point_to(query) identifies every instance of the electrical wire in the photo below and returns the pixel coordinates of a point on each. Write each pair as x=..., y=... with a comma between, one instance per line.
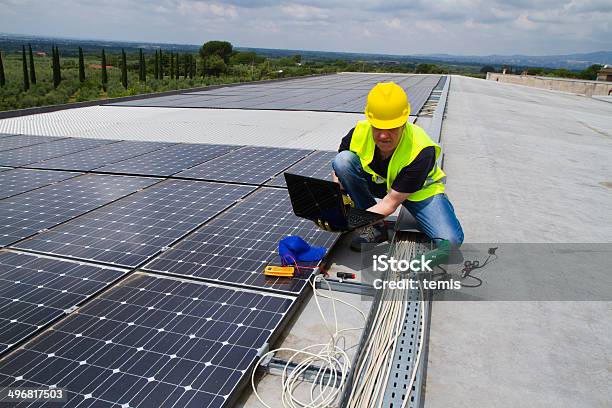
x=373, y=369
x=330, y=360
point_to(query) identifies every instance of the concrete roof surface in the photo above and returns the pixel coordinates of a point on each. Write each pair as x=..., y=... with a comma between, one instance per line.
x=524, y=165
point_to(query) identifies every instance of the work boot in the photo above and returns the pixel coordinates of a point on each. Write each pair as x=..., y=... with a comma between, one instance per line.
x=371, y=234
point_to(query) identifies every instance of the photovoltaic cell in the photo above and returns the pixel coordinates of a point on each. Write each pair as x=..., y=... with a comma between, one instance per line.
x=44, y=151
x=17, y=181
x=317, y=165
x=35, y=290
x=249, y=165
x=169, y=161
x=237, y=245
x=15, y=142
x=332, y=93
x=133, y=229
x=28, y=213
x=151, y=342
x=100, y=156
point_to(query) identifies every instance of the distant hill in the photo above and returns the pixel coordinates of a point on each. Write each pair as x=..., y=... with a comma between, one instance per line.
x=69, y=46
x=569, y=61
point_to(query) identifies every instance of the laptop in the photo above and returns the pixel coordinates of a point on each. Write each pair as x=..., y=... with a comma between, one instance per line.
x=317, y=199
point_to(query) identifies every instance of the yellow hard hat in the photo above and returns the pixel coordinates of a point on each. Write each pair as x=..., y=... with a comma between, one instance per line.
x=387, y=106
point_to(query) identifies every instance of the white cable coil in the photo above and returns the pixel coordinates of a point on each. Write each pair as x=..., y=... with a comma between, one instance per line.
x=373, y=368
x=329, y=359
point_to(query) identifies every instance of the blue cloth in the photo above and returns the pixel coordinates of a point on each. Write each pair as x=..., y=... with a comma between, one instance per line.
x=435, y=215
x=292, y=249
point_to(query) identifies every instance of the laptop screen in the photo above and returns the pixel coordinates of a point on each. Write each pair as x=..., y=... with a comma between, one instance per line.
x=316, y=199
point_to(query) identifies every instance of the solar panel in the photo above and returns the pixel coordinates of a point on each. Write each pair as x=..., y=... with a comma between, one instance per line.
x=249, y=165
x=17, y=181
x=15, y=142
x=169, y=161
x=44, y=151
x=334, y=93
x=317, y=165
x=133, y=229
x=7, y=134
x=28, y=213
x=35, y=290
x=100, y=156
x=237, y=245
x=152, y=342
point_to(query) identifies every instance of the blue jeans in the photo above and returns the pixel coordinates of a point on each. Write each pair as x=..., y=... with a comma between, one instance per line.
x=435, y=215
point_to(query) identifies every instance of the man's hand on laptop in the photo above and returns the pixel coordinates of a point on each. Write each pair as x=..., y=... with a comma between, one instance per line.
x=324, y=225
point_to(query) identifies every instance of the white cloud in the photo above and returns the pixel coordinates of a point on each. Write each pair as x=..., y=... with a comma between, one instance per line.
x=418, y=26
x=394, y=23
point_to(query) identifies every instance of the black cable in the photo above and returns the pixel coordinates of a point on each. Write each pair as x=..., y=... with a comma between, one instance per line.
x=469, y=266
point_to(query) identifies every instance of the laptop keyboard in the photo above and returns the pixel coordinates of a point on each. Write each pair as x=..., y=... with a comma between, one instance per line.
x=359, y=219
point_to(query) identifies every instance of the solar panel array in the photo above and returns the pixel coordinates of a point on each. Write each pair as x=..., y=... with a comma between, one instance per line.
x=249, y=165
x=28, y=213
x=144, y=287
x=44, y=151
x=344, y=92
x=17, y=141
x=17, y=181
x=170, y=160
x=100, y=156
x=317, y=165
x=235, y=247
x=151, y=342
x=133, y=229
x=35, y=290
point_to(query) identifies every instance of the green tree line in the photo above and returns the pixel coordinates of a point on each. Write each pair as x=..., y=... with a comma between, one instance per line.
x=46, y=77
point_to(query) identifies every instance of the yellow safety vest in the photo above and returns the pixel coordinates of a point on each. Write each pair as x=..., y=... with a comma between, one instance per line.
x=413, y=140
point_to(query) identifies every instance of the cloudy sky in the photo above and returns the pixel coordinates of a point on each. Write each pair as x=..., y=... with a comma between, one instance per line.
x=538, y=27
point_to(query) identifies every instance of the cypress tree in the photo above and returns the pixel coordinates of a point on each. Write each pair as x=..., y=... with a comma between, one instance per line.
x=144, y=68
x=2, y=77
x=124, y=79
x=32, y=70
x=140, y=64
x=57, y=74
x=178, y=65
x=81, y=66
x=26, y=79
x=104, y=75
x=156, y=66
x=161, y=65
x=171, y=66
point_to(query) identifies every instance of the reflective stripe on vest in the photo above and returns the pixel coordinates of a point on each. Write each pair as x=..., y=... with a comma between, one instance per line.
x=412, y=141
